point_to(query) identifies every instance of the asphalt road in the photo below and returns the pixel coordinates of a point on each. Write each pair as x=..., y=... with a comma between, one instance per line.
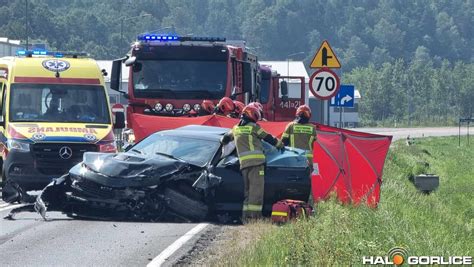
x=30, y=241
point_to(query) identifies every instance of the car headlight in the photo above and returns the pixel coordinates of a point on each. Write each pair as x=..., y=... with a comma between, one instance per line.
x=18, y=145
x=169, y=107
x=158, y=106
x=83, y=170
x=196, y=107
x=186, y=107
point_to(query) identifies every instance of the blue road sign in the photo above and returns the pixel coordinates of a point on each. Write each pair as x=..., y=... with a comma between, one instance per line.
x=344, y=98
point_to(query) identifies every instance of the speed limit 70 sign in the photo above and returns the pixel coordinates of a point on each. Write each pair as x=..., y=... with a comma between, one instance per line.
x=324, y=84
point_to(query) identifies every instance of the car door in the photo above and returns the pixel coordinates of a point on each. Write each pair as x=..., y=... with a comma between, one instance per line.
x=229, y=195
x=287, y=176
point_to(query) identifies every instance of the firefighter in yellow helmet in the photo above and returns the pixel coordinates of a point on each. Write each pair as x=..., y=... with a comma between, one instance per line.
x=300, y=133
x=247, y=135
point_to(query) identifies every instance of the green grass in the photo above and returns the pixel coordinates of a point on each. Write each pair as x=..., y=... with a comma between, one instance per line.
x=441, y=223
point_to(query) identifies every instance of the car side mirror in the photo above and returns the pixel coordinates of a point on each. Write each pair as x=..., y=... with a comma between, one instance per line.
x=115, y=78
x=247, y=77
x=284, y=88
x=210, y=168
x=232, y=161
x=137, y=67
x=130, y=61
x=207, y=181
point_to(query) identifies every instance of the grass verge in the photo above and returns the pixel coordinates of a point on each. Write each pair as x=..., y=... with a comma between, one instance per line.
x=441, y=223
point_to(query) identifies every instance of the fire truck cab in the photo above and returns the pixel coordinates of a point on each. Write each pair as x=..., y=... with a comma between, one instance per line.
x=170, y=76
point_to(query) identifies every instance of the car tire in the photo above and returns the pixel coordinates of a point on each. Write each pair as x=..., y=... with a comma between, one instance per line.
x=184, y=206
x=3, y=178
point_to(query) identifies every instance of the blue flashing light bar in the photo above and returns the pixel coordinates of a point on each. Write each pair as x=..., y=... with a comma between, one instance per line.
x=174, y=38
x=58, y=54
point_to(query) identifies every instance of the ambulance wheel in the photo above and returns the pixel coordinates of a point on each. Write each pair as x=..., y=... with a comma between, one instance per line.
x=184, y=206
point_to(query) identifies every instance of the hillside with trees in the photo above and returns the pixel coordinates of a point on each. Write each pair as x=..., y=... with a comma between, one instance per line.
x=411, y=60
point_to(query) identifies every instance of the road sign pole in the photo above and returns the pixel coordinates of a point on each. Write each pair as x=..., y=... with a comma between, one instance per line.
x=343, y=116
x=329, y=111
x=340, y=117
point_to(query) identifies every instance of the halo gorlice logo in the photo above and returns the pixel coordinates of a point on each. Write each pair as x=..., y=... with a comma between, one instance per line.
x=398, y=255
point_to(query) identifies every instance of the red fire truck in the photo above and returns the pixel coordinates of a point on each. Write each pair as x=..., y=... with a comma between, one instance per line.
x=170, y=75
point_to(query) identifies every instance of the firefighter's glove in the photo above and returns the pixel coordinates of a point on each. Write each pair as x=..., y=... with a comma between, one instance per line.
x=280, y=144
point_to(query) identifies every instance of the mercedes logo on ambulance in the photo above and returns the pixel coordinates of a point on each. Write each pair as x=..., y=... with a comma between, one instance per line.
x=65, y=152
x=56, y=65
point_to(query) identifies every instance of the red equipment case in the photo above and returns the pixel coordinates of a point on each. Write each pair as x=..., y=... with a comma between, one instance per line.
x=287, y=209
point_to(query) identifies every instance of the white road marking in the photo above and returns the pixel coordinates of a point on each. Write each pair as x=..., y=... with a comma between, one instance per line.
x=9, y=207
x=165, y=254
x=3, y=204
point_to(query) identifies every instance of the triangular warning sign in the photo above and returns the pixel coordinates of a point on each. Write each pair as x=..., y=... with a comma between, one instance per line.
x=325, y=57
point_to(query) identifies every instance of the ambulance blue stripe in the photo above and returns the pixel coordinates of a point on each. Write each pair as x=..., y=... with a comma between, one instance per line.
x=65, y=139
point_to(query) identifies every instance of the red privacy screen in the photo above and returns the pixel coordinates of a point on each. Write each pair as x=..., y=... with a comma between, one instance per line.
x=347, y=162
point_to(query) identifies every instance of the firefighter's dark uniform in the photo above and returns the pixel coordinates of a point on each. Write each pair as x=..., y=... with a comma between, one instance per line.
x=248, y=142
x=300, y=135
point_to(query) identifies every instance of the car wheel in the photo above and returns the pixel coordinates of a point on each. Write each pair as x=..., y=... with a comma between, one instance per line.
x=3, y=178
x=185, y=206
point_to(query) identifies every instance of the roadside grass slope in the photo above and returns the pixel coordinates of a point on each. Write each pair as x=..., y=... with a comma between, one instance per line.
x=438, y=224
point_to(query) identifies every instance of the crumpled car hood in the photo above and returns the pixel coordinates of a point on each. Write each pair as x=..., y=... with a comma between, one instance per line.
x=126, y=169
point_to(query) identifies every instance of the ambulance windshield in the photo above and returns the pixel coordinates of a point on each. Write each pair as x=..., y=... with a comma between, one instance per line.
x=58, y=103
x=180, y=79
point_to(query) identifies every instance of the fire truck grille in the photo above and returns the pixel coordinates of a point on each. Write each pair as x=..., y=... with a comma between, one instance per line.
x=57, y=159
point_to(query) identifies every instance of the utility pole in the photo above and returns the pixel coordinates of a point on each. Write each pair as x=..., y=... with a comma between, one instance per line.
x=123, y=19
x=288, y=62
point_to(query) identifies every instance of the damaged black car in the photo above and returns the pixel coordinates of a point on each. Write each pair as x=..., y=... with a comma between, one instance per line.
x=182, y=174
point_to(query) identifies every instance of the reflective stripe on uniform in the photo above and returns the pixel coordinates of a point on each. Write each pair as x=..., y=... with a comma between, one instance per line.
x=309, y=155
x=292, y=140
x=303, y=129
x=310, y=143
x=252, y=156
x=284, y=135
x=251, y=147
x=243, y=129
x=260, y=131
x=253, y=152
x=262, y=172
x=279, y=213
x=252, y=207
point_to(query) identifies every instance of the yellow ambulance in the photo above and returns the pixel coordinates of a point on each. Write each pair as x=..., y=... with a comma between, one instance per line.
x=54, y=108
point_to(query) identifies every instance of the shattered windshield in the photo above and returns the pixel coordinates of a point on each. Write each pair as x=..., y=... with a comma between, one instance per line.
x=195, y=151
x=58, y=103
x=181, y=79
